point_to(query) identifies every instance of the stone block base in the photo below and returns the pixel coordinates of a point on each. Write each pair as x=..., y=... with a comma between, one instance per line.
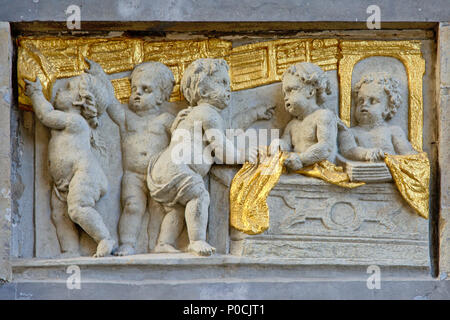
x=183, y=276
x=312, y=219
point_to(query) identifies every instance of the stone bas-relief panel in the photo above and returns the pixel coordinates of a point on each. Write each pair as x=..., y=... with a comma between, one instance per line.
x=313, y=219
x=309, y=218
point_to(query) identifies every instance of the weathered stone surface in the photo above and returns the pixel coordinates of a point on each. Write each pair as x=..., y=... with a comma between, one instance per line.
x=243, y=101
x=315, y=220
x=205, y=10
x=183, y=276
x=403, y=243
x=5, y=150
x=22, y=181
x=290, y=289
x=394, y=68
x=78, y=180
x=443, y=101
x=135, y=136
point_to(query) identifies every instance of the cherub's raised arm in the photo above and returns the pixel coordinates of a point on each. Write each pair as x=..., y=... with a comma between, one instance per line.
x=117, y=113
x=245, y=118
x=326, y=140
x=104, y=93
x=45, y=112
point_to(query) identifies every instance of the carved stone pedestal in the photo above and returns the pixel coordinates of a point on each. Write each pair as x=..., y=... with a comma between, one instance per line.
x=184, y=276
x=312, y=219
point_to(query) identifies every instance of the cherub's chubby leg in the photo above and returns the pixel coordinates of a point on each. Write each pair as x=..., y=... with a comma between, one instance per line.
x=196, y=215
x=66, y=230
x=134, y=204
x=85, y=190
x=171, y=228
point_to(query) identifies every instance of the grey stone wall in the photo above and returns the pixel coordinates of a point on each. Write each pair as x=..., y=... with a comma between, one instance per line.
x=231, y=10
x=6, y=97
x=443, y=103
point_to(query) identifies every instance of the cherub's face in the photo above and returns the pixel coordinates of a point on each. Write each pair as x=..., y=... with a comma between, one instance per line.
x=371, y=104
x=145, y=95
x=217, y=89
x=67, y=94
x=296, y=95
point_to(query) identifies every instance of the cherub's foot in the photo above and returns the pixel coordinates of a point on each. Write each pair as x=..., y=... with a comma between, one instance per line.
x=104, y=248
x=124, y=250
x=201, y=248
x=165, y=248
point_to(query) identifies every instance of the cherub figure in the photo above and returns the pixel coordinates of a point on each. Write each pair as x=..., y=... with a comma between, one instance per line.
x=179, y=185
x=144, y=132
x=79, y=181
x=312, y=133
x=377, y=98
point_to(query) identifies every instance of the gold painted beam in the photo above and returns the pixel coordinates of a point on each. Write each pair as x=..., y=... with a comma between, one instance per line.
x=52, y=58
x=263, y=63
x=252, y=65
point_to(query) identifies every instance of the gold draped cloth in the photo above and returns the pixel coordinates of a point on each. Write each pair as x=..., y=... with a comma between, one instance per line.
x=330, y=173
x=252, y=184
x=411, y=174
x=249, y=189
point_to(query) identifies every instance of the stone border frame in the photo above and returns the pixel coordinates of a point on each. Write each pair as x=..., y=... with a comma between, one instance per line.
x=442, y=101
x=443, y=106
x=6, y=105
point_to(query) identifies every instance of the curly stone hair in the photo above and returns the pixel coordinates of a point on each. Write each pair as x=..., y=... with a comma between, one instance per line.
x=87, y=102
x=391, y=87
x=194, y=76
x=164, y=77
x=312, y=75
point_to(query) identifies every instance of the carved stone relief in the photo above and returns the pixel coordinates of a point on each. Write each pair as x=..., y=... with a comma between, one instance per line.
x=115, y=136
